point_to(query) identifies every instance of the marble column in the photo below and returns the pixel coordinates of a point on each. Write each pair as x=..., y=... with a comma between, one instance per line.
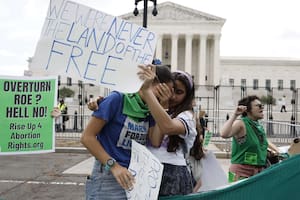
x=188, y=53
x=174, y=55
x=202, y=59
x=158, y=53
x=216, y=59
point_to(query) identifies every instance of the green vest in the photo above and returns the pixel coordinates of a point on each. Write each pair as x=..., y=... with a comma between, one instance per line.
x=252, y=149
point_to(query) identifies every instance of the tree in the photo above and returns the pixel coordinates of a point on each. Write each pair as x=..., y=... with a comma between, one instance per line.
x=268, y=100
x=65, y=92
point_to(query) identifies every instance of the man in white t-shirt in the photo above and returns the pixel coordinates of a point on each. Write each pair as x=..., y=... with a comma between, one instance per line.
x=283, y=102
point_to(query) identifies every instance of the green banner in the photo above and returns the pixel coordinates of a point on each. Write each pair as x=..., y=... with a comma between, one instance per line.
x=280, y=181
x=25, y=115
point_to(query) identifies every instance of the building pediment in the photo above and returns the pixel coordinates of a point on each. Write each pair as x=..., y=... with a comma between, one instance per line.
x=169, y=11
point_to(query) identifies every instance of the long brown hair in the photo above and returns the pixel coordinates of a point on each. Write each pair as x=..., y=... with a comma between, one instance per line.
x=197, y=150
x=187, y=104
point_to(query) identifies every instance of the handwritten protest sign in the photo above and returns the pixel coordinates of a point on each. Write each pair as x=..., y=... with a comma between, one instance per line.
x=147, y=171
x=25, y=115
x=92, y=46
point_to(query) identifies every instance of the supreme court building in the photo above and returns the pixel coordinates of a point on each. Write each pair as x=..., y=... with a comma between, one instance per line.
x=189, y=40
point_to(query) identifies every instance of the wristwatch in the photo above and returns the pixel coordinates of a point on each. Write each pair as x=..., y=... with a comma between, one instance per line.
x=109, y=164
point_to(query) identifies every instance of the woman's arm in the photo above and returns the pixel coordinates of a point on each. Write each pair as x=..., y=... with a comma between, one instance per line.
x=273, y=147
x=155, y=136
x=197, y=186
x=89, y=140
x=232, y=127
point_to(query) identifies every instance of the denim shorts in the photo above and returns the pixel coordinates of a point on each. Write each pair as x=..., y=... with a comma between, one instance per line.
x=101, y=184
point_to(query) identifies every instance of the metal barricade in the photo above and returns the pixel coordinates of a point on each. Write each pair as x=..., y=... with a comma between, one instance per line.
x=277, y=132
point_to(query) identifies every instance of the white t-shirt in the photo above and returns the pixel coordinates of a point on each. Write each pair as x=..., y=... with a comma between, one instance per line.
x=283, y=102
x=177, y=158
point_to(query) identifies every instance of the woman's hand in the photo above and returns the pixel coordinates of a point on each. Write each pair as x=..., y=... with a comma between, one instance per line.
x=55, y=112
x=163, y=93
x=93, y=104
x=147, y=74
x=123, y=176
x=239, y=110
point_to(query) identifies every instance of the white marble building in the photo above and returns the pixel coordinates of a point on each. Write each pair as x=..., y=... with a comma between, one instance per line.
x=189, y=40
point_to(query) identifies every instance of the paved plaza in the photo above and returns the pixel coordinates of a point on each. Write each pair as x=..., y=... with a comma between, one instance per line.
x=59, y=176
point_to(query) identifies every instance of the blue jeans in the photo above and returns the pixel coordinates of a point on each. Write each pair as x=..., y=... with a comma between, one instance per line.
x=103, y=185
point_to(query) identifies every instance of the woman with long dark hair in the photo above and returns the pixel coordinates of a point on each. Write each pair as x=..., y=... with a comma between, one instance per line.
x=174, y=132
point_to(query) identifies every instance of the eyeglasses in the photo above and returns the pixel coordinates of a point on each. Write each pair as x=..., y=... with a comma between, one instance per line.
x=261, y=106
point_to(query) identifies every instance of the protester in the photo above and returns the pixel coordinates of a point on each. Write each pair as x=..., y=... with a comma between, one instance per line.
x=249, y=144
x=195, y=155
x=283, y=104
x=206, y=170
x=108, y=138
x=175, y=132
x=202, y=122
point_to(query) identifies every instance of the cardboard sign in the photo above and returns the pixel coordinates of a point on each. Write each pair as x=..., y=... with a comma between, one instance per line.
x=25, y=115
x=147, y=171
x=92, y=46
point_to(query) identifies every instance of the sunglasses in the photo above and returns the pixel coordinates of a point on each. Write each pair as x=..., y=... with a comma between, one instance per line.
x=261, y=106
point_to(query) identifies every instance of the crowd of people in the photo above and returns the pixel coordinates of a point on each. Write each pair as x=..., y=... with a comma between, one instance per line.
x=171, y=130
x=173, y=133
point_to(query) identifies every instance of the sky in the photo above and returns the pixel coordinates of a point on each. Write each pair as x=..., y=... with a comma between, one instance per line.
x=253, y=28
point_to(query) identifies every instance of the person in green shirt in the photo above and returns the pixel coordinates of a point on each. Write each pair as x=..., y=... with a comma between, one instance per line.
x=249, y=144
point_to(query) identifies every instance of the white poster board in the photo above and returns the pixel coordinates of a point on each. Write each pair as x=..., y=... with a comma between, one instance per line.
x=213, y=176
x=92, y=46
x=147, y=171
